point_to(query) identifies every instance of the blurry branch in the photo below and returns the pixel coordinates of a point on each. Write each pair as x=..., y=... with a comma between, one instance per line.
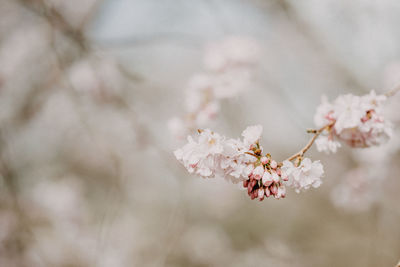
x=187, y=39
x=54, y=18
x=393, y=92
x=90, y=14
x=75, y=34
x=59, y=24
x=10, y=179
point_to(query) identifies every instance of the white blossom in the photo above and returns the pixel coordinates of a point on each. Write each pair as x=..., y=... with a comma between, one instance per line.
x=214, y=155
x=356, y=120
x=323, y=115
x=252, y=134
x=327, y=144
x=307, y=175
x=201, y=157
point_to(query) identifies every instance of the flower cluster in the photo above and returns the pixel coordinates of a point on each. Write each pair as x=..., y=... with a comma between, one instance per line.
x=355, y=120
x=228, y=70
x=305, y=175
x=213, y=155
x=265, y=178
x=362, y=187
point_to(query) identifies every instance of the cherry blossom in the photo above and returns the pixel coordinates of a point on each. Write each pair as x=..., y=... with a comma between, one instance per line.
x=252, y=134
x=327, y=144
x=213, y=155
x=307, y=174
x=355, y=120
x=358, y=121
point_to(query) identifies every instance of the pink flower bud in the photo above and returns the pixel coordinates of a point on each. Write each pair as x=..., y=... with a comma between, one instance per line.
x=245, y=183
x=258, y=172
x=279, y=172
x=249, y=189
x=267, y=192
x=274, y=189
x=264, y=160
x=267, y=179
x=261, y=193
x=281, y=192
x=251, y=185
x=275, y=177
x=274, y=164
x=254, y=194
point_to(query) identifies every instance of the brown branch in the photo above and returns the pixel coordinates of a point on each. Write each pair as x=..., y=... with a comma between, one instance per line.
x=311, y=142
x=251, y=154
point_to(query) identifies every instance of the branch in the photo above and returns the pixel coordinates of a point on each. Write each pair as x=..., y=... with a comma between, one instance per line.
x=311, y=142
x=393, y=92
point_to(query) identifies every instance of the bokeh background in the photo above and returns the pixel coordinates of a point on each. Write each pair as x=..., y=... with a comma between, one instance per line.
x=87, y=174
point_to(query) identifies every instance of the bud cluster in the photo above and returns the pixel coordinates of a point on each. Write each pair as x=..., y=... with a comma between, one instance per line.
x=265, y=177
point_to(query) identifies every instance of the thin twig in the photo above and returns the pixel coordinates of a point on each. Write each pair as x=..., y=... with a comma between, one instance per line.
x=311, y=142
x=251, y=154
x=392, y=92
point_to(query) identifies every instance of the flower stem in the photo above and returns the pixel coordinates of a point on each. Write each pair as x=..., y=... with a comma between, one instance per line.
x=392, y=92
x=311, y=142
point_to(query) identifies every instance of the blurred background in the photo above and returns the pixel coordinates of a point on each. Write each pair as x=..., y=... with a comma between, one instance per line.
x=87, y=173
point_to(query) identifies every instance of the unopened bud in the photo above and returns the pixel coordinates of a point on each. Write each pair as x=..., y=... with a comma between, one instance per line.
x=274, y=189
x=261, y=193
x=267, y=192
x=281, y=192
x=254, y=194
